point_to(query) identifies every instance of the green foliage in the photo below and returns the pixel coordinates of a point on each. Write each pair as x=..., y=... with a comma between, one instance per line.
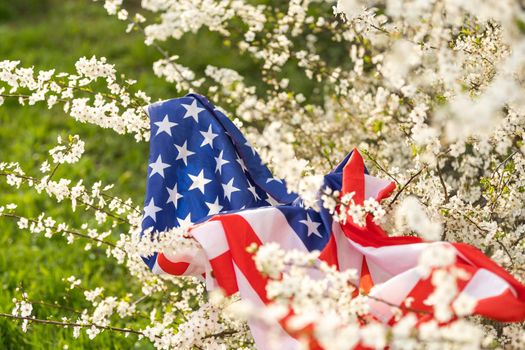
x=10, y=10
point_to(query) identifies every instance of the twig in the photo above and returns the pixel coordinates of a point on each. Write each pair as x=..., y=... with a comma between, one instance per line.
x=94, y=207
x=497, y=240
x=75, y=233
x=121, y=202
x=72, y=324
x=220, y=334
x=57, y=306
x=58, y=164
x=445, y=191
x=163, y=52
x=405, y=185
x=380, y=167
x=15, y=95
x=503, y=162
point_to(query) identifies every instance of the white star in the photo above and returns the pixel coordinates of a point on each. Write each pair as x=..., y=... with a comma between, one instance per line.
x=220, y=162
x=151, y=210
x=272, y=201
x=274, y=179
x=158, y=167
x=241, y=163
x=192, y=111
x=250, y=146
x=165, y=125
x=198, y=181
x=229, y=189
x=208, y=137
x=214, y=207
x=312, y=226
x=184, y=153
x=251, y=188
x=174, y=195
x=186, y=222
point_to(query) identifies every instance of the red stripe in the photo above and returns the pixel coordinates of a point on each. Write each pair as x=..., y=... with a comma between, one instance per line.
x=365, y=282
x=386, y=191
x=240, y=235
x=354, y=177
x=224, y=273
x=373, y=236
x=329, y=253
x=171, y=267
x=504, y=307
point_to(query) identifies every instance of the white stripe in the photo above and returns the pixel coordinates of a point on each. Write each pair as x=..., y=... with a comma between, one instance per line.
x=347, y=256
x=196, y=258
x=271, y=225
x=389, y=261
x=262, y=331
x=394, y=291
x=212, y=238
x=377, y=273
x=486, y=284
x=374, y=185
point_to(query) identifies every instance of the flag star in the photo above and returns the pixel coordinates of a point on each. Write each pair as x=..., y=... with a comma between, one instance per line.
x=184, y=153
x=229, y=189
x=251, y=188
x=250, y=146
x=241, y=163
x=198, y=181
x=151, y=210
x=165, y=126
x=208, y=137
x=192, y=111
x=272, y=201
x=158, y=167
x=270, y=179
x=173, y=195
x=186, y=222
x=214, y=207
x=313, y=226
x=220, y=162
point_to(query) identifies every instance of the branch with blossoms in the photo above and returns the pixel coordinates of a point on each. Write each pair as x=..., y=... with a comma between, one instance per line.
x=117, y=108
x=23, y=310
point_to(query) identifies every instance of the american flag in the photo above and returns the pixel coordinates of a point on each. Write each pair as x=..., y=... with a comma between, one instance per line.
x=204, y=173
x=200, y=164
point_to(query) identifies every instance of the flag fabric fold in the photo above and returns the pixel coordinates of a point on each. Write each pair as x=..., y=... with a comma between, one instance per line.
x=202, y=170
